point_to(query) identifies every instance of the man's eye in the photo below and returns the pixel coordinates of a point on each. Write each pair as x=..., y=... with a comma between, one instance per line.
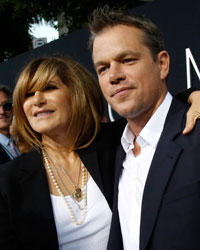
x=128, y=60
x=101, y=70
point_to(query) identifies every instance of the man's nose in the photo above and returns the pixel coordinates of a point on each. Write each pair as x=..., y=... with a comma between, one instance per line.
x=2, y=111
x=38, y=98
x=116, y=74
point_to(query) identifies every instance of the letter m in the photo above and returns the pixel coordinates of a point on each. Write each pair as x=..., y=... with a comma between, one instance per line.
x=190, y=58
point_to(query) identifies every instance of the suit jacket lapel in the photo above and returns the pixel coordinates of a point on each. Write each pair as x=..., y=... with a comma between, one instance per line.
x=158, y=177
x=89, y=158
x=115, y=237
x=36, y=195
x=4, y=157
x=160, y=171
x=99, y=157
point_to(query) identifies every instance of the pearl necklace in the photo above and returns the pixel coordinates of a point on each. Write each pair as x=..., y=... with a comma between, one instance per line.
x=58, y=189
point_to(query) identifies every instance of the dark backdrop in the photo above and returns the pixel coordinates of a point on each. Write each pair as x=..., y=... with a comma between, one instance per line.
x=179, y=22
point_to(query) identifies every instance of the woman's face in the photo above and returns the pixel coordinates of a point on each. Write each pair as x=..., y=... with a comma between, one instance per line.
x=48, y=110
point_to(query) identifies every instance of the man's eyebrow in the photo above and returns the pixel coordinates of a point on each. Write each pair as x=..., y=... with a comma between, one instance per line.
x=97, y=64
x=128, y=53
x=118, y=57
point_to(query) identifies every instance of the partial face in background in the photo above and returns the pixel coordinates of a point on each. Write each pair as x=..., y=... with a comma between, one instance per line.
x=48, y=110
x=5, y=115
x=132, y=82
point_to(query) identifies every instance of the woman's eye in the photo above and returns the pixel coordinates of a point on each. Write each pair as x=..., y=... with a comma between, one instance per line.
x=50, y=87
x=29, y=94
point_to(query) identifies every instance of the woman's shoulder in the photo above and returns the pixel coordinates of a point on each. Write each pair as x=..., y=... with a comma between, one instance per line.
x=114, y=128
x=110, y=133
x=115, y=124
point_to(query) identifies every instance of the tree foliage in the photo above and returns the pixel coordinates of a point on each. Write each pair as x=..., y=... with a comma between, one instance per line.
x=15, y=38
x=16, y=16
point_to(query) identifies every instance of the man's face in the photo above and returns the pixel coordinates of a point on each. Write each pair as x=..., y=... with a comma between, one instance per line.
x=5, y=116
x=131, y=81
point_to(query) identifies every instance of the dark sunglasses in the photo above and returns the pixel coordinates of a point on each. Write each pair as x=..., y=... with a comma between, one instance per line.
x=7, y=106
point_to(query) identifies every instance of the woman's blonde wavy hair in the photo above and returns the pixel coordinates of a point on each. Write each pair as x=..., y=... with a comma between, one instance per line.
x=87, y=103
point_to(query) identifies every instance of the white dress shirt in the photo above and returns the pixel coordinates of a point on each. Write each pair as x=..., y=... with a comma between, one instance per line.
x=134, y=174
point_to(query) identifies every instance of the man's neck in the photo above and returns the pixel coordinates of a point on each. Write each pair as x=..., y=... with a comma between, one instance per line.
x=137, y=123
x=137, y=149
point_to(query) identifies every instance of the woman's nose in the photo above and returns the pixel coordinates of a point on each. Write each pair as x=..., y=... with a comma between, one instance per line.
x=38, y=98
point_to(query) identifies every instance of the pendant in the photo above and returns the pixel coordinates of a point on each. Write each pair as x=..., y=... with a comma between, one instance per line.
x=77, y=194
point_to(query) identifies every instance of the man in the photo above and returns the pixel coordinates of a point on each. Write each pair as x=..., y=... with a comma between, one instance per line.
x=157, y=190
x=8, y=149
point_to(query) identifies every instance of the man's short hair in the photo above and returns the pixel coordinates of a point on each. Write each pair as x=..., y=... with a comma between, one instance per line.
x=106, y=17
x=7, y=91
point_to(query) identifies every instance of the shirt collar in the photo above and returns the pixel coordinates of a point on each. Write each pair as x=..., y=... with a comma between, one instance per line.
x=151, y=132
x=4, y=139
x=127, y=139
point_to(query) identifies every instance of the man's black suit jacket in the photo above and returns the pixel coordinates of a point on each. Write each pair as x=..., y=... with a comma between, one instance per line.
x=170, y=216
x=26, y=216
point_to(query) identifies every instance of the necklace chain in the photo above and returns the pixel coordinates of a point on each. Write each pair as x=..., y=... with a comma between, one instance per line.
x=67, y=191
x=68, y=177
x=77, y=194
x=60, y=192
x=66, y=174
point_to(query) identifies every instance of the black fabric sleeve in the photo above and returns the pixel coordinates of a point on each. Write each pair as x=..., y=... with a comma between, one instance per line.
x=183, y=96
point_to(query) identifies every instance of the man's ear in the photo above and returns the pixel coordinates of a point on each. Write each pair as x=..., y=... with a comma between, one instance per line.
x=163, y=60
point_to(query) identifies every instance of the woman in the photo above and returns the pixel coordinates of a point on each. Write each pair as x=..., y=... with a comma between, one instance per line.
x=48, y=199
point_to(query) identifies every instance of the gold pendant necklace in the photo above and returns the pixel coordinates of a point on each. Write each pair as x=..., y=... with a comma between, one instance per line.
x=77, y=193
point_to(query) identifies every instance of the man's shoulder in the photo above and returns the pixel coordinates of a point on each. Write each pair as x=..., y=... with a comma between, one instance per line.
x=176, y=120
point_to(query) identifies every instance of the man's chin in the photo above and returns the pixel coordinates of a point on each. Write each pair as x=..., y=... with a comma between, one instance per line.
x=4, y=125
x=125, y=114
